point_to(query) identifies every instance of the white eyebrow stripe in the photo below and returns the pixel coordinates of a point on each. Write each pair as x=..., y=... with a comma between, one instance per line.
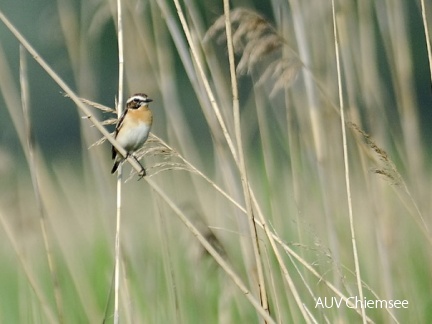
x=140, y=98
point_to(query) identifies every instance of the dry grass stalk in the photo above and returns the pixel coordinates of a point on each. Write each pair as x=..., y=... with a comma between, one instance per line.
x=95, y=105
x=119, y=171
x=346, y=164
x=241, y=163
x=211, y=97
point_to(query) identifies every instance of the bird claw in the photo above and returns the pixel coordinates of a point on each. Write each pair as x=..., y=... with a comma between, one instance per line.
x=141, y=174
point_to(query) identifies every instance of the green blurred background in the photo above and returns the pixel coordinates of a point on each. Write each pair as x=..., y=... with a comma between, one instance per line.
x=55, y=119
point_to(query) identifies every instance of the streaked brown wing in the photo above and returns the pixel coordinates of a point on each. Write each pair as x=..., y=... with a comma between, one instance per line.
x=117, y=129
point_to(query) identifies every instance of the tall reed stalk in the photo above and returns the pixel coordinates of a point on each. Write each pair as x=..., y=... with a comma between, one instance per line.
x=119, y=173
x=346, y=164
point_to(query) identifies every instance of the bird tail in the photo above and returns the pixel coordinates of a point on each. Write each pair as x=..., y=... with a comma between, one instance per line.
x=116, y=164
x=119, y=160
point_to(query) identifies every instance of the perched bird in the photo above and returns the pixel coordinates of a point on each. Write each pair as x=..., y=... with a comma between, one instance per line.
x=133, y=128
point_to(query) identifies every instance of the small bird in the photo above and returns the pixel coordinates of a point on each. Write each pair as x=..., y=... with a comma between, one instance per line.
x=133, y=128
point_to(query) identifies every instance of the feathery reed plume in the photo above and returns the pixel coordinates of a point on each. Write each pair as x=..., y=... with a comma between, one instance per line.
x=389, y=169
x=257, y=41
x=390, y=172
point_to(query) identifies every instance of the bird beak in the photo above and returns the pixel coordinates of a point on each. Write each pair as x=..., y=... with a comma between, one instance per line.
x=149, y=100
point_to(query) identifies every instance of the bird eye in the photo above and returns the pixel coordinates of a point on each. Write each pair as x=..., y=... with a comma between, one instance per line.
x=136, y=100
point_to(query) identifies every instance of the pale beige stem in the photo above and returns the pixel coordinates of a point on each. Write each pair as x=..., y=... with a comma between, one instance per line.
x=346, y=166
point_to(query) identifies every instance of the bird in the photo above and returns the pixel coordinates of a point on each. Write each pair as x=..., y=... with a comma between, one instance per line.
x=133, y=128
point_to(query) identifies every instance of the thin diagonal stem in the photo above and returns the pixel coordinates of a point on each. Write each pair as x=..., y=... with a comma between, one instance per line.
x=216, y=255
x=205, y=81
x=84, y=109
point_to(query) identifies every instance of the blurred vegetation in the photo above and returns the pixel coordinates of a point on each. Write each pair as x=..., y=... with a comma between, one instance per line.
x=292, y=140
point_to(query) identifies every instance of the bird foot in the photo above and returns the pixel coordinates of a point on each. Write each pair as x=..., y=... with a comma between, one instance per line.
x=142, y=174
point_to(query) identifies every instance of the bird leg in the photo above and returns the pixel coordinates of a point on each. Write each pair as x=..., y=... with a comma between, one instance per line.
x=142, y=173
